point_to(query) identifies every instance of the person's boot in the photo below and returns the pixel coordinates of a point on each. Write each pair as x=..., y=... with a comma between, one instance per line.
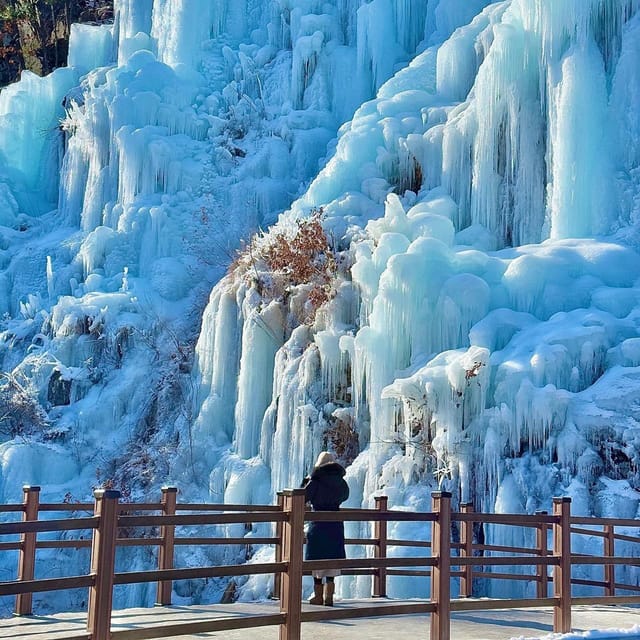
x=329, y=588
x=317, y=594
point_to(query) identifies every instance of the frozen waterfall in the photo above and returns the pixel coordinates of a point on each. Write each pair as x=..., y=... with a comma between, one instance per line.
x=437, y=212
x=481, y=210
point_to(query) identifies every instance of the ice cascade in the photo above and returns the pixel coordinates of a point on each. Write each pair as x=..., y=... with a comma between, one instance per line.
x=478, y=328
x=450, y=298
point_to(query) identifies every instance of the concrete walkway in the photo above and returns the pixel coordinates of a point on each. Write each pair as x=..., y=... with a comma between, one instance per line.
x=475, y=625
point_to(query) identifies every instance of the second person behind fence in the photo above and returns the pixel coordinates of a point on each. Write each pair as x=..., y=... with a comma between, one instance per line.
x=326, y=490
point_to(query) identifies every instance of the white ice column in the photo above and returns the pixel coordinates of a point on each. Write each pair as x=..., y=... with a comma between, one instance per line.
x=410, y=19
x=508, y=185
x=94, y=144
x=457, y=152
x=297, y=437
x=30, y=136
x=90, y=46
x=306, y=52
x=377, y=46
x=181, y=26
x=216, y=370
x=347, y=11
x=401, y=325
x=262, y=336
x=132, y=21
x=623, y=103
x=582, y=182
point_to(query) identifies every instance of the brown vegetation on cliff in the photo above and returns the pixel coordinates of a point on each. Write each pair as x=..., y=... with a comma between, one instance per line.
x=34, y=34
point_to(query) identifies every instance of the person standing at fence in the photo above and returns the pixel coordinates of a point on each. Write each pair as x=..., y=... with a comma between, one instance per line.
x=326, y=490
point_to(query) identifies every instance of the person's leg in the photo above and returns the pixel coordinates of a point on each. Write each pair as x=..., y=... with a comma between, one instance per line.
x=317, y=591
x=329, y=589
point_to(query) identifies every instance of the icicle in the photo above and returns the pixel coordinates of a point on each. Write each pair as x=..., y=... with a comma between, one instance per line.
x=579, y=199
x=30, y=135
x=50, y=284
x=180, y=26
x=261, y=338
x=377, y=46
x=90, y=46
x=132, y=20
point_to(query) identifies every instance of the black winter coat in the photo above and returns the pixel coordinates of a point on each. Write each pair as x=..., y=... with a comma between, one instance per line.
x=326, y=490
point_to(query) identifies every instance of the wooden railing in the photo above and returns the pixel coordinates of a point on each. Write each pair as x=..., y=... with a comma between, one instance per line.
x=471, y=558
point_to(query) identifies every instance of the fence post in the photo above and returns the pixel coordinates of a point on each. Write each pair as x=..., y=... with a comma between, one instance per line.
x=103, y=551
x=380, y=550
x=165, y=551
x=562, y=571
x=466, y=551
x=291, y=585
x=609, y=569
x=441, y=572
x=277, y=577
x=541, y=546
x=27, y=553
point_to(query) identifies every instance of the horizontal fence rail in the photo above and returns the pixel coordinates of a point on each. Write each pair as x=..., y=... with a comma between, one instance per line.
x=454, y=550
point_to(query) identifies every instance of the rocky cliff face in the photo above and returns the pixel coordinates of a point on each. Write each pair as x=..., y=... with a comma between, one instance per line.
x=35, y=36
x=11, y=59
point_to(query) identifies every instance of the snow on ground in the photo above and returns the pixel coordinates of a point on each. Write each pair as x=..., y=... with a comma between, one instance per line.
x=603, y=634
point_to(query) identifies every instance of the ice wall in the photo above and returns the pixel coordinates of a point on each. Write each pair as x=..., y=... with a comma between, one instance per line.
x=30, y=137
x=467, y=311
x=482, y=216
x=90, y=46
x=127, y=181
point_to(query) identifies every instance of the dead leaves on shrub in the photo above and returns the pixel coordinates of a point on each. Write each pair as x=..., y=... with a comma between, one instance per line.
x=281, y=261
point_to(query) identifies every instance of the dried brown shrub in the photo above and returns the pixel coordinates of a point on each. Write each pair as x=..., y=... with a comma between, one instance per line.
x=305, y=256
x=280, y=261
x=344, y=440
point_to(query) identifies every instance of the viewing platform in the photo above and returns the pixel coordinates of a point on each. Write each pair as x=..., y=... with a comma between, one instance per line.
x=108, y=525
x=471, y=625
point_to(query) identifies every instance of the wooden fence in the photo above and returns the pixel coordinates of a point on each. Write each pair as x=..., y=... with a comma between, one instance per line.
x=468, y=556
